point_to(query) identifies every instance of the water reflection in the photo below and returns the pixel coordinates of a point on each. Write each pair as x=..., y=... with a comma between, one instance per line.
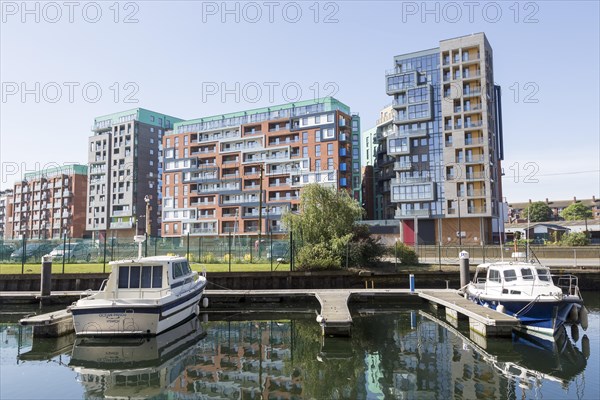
x=398, y=354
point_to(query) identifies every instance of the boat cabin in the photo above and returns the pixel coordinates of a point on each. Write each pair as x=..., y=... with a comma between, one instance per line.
x=512, y=278
x=151, y=275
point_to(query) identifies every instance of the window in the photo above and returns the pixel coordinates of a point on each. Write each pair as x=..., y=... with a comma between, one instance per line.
x=543, y=274
x=510, y=275
x=494, y=276
x=304, y=137
x=305, y=151
x=318, y=150
x=317, y=165
x=329, y=117
x=527, y=274
x=317, y=136
x=329, y=149
x=317, y=119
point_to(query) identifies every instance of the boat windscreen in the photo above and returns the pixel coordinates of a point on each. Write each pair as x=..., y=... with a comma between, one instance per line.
x=527, y=274
x=543, y=274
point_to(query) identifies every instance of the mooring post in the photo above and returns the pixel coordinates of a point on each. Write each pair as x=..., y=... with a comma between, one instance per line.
x=411, y=282
x=464, y=268
x=46, y=284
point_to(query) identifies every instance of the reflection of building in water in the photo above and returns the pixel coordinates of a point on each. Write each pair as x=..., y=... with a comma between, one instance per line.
x=434, y=364
x=229, y=360
x=244, y=360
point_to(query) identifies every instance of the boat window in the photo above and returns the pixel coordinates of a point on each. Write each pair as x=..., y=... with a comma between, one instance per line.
x=510, y=275
x=146, y=276
x=185, y=267
x=543, y=274
x=157, y=274
x=123, y=277
x=527, y=274
x=494, y=275
x=177, y=270
x=134, y=277
x=130, y=277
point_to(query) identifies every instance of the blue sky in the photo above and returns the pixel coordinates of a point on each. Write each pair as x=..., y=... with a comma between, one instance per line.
x=176, y=57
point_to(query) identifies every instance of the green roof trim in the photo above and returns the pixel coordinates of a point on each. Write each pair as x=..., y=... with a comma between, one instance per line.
x=330, y=103
x=138, y=114
x=68, y=169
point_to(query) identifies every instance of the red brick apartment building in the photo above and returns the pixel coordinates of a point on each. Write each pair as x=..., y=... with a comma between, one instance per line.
x=220, y=171
x=50, y=204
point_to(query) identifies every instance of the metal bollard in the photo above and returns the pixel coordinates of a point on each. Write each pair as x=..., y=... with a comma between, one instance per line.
x=46, y=284
x=464, y=268
x=411, y=281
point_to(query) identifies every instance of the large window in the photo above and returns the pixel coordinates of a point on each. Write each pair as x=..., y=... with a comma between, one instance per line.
x=412, y=192
x=136, y=276
x=418, y=95
x=398, y=145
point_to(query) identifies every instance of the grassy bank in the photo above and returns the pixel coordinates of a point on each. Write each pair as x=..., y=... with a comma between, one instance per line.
x=99, y=268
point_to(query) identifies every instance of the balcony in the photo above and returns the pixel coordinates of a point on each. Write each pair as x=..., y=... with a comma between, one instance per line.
x=475, y=124
x=399, y=103
x=476, y=193
x=474, y=159
x=410, y=181
x=473, y=141
x=474, y=92
x=203, y=231
x=402, y=166
x=412, y=213
x=475, y=176
x=476, y=210
x=121, y=225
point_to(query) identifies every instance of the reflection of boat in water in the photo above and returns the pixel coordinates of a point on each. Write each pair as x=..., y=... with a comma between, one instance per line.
x=527, y=292
x=134, y=367
x=531, y=359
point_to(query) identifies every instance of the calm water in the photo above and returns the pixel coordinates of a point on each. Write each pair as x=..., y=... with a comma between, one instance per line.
x=393, y=353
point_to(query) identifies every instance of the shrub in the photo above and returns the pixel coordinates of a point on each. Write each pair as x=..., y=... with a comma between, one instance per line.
x=226, y=258
x=575, y=239
x=318, y=257
x=247, y=257
x=208, y=258
x=406, y=255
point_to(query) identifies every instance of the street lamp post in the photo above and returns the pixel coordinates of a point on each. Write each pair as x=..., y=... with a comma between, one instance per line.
x=458, y=200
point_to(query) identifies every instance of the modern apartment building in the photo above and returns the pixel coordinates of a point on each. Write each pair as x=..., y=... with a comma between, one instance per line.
x=239, y=172
x=440, y=163
x=6, y=197
x=50, y=204
x=125, y=170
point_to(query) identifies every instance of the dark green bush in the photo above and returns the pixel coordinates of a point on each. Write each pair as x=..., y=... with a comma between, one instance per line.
x=406, y=255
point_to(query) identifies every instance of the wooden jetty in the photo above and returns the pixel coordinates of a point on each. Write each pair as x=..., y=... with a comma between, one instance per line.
x=52, y=324
x=334, y=316
x=483, y=320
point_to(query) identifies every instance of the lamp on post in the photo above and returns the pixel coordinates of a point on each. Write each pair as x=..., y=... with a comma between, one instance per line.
x=147, y=200
x=458, y=200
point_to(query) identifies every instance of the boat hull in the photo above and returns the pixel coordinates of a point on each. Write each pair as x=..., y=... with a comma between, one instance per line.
x=138, y=318
x=541, y=318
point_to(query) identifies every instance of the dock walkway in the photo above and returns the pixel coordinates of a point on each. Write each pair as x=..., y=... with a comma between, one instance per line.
x=334, y=316
x=483, y=320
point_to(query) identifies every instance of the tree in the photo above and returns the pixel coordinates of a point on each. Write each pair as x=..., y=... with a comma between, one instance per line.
x=538, y=212
x=325, y=214
x=327, y=226
x=576, y=212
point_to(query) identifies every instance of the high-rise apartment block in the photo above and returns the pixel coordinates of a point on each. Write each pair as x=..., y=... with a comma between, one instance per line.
x=125, y=172
x=440, y=163
x=239, y=172
x=6, y=197
x=50, y=204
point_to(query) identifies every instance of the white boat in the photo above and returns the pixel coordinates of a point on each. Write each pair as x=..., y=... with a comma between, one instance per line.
x=527, y=291
x=146, y=296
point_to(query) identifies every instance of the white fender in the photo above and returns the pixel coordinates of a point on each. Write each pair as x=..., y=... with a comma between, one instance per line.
x=500, y=308
x=583, y=318
x=320, y=318
x=205, y=302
